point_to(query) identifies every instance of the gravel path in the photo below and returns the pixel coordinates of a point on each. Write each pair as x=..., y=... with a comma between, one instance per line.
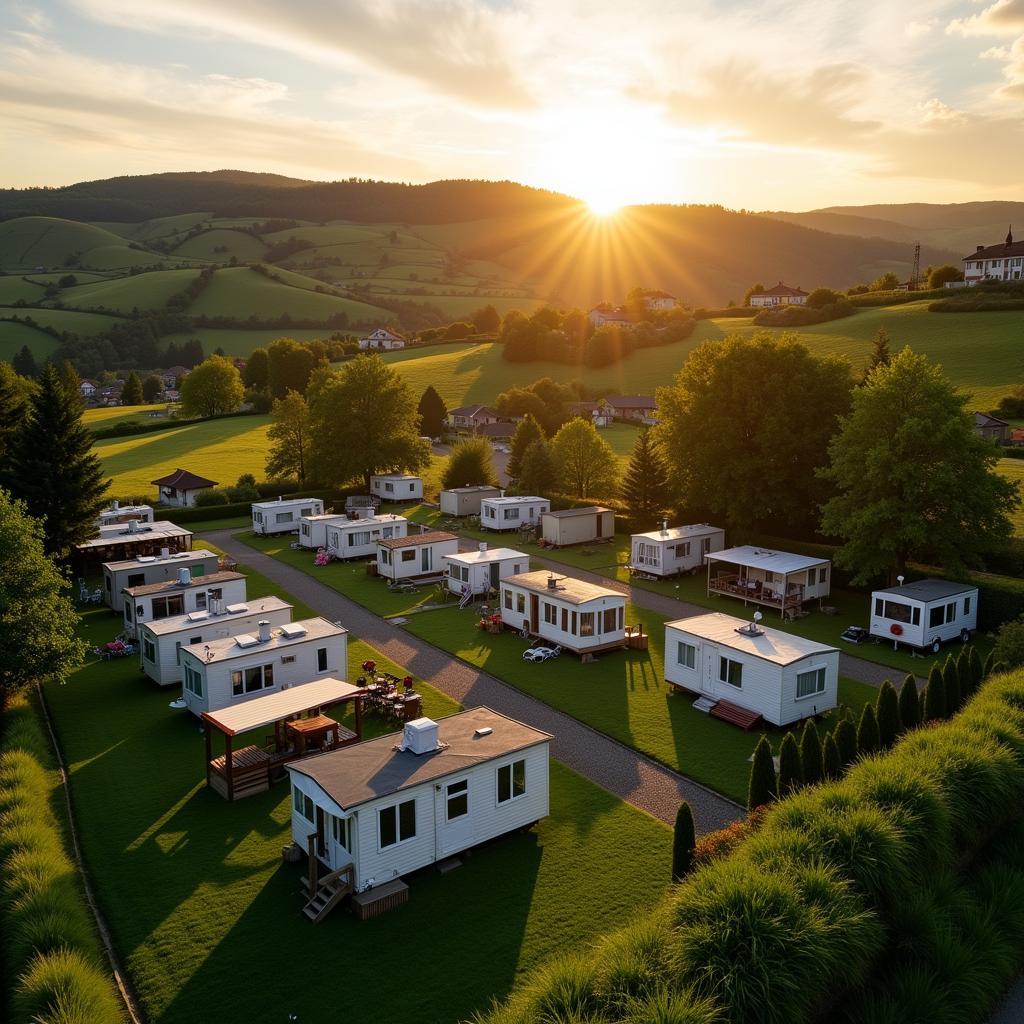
x=606, y=762
x=1011, y=1008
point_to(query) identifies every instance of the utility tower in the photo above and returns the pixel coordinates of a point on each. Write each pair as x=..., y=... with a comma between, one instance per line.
x=916, y=275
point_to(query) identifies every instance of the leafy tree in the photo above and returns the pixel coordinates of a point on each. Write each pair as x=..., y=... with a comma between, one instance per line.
x=886, y=282
x=289, y=437
x=458, y=330
x=257, y=372
x=486, y=320
x=433, y=412
x=544, y=399
x=14, y=405
x=832, y=763
x=951, y=685
x=880, y=354
x=363, y=420
x=152, y=388
x=37, y=626
x=746, y=424
x=25, y=363
x=213, y=388
x=934, y=696
x=822, y=297
x=470, y=463
x=684, y=843
x=845, y=734
x=289, y=367
x=939, y=277
x=587, y=465
x=888, y=715
x=764, y=786
x=757, y=289
x=914, y=480
x=1009, y=646
x=910, y=704
x=645, y=485
x=868, y=739
x=527, y=431
x=791, y=775
x=131, y=394
x=52, y=467
x=539, y=474
x=810, y=754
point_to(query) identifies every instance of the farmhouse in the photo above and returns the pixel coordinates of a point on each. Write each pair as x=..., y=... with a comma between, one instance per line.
x=577, y=526
x=1002, y=262
x=394, y=804
x=173, y=376
x=396, y=487
x=604, y=314
x=161, y=641
x=763, y=576
x=119, y=576
x=670, y=552
x=118, y=513
x=357, y=538
x=925, y=614
x=87, y=388
x=480, y=571
x=180, y=595
x=282, y=515
x=580, y=616
x=465, y=501
x=181, y=487
x=470, y=417
x=418, y=556
x=120, y=541
x=382, y=339
x=780, y=295
x=744, y=672
x=595, y=412
x=500, y=431
x=635, y=408
x=219, y=673
x=991, y=427
x=510, y=513
x=659, y=300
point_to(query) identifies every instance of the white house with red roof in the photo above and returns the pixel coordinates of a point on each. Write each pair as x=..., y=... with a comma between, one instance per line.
x=659, y=300
x=181, y=487
x=382, y=338
x=780, y=295
x=1003, y=262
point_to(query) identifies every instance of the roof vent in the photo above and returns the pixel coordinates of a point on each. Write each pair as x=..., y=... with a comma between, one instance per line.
x=198, y=616
x=484, y=730
x=664, y=527
x=115, y=505
x=293, y=630
x=483, y=546
x=420, y=736
x=185, y=576
x=236, y=609
x=165, y=552
x=246, y=640
x=752, y=628
x=133, y=526
x=264, y=625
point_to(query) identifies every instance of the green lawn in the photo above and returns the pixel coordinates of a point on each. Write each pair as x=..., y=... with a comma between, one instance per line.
x=109, y=415
x=1013, y=469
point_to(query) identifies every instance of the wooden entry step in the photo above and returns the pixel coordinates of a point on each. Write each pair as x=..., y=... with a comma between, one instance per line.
x=735, y=715
x=380, y=899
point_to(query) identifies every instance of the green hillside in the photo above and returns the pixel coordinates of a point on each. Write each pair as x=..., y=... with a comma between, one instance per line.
x=220, y=244
x=64, y=319
x=29, y=242
x=14, y=336
x=239, y=342
x=145, y=292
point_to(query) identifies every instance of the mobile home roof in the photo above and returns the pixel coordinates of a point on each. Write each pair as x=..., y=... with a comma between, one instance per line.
x=181, y=557
x=195, y=583
x=765, y=558
x=182, y=623
x=568, y=588
x=484, y=557
x=770, y=644
x=227, y=648
x=680, y=532
x=929, y=590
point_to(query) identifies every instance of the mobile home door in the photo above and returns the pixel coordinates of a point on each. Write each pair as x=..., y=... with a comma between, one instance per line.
x=451, y=812
x=709, y=653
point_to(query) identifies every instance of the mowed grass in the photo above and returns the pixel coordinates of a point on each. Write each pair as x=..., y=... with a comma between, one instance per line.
x=109, y=415
x=64, y=319
x=1013, y=469
x=144, y=292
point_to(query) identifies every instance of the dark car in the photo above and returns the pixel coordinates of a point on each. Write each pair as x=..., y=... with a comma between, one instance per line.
x=855, y=635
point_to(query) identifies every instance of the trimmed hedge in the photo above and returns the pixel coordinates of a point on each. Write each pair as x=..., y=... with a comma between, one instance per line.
x=128, y=427
x=804, y=916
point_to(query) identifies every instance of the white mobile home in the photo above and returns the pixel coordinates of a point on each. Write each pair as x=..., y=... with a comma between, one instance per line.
x=313, y=529
x=161, y=641
x=223, y=672
x=396, y=487
x=480, y=571
x=137, y=572
x=357, y=538
x=673, y=551
x=770, y=674
x=577, y=526
x=283, y=514
x=394, y=804
x=465, y=501
x=579, y=616
x=116, y=542
x=421, y=555
x=777, y=579
x=181, y=595
x=510, y=513
x=118, y=513
x=925, y=614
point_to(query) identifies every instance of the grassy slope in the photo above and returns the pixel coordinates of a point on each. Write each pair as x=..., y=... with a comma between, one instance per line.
x=1013, y=469
x=47, y=241
x=64, y=319
x=14, y=336
x=229, y=243
x=109, y=415
x=146, y=292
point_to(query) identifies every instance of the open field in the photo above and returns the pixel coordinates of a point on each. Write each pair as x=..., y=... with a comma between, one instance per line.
x=1013, y=469
x=109, y=415
x=145, y=292
x=14, y=336
x=240, y=342
x=221, y=244
x=64, y=319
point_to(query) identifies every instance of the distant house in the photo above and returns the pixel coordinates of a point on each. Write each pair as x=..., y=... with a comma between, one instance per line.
x=172, y=376
x=181, y=487
x=87, y=388
x=991, y=427
x=382, y=338
x=593, y=411
x=1003, y=262
x=1017, y=438
x=604, y=314
x=659, y=300
x=639, y=408
x=500, y=431
x=472, y=417
x=780, y=295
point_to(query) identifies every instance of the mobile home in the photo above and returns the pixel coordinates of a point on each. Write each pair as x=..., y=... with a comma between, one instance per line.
x=510, y=513
x=480, y=571
x=224, y=672
x=925, y=614
x=396, y=487
x=577, y=526
x=776, y=579
x=181, y=595
x=770, y=674
x=421, y=555
x=137, y=572
x=313, y=529
x=465, y=501
x=581, y=617
x=118, y=513
x=394, y=804
x=283, y=514
x=161, y=641
x=117, y=542
x=672, y=551
x=357, y=538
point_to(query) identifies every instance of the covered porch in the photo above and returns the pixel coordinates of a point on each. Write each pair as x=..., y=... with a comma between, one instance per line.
x=772, y=579
x=300, y=728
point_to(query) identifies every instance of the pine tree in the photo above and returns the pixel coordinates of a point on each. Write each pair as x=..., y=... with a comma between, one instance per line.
x=986, y=669
x=132, y=392
x=152, y=388
x=790, y=773
x=934, y=695
x=867, y=732
x=831, y=762
x=539, y=474
x=51, y=466
x=951, y=686
x=810, y=754
x=880, y=354
x=25, y=363
x=684, y=842
x=910, y=704
x=645, y=486
x=14, y=406
x=527, y=431
x=764, y=787
x=845, y=734
x=433, y=413
x=887, y=710
x=974, y=669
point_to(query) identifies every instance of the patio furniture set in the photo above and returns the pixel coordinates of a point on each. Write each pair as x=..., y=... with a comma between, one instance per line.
x=389, y=695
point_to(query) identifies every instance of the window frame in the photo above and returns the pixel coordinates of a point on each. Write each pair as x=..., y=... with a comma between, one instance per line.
x=725, y=671
x=691, y=650
x=396, y=810
x=510, y=767
x=819, y=673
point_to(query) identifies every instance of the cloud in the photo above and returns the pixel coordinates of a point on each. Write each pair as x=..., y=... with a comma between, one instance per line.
x=1004, y=17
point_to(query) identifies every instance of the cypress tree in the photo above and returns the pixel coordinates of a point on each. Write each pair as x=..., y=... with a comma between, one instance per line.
x=764, y=786
x=24, y=362
x=51, y=466
x=868, y=740
x=132, y=393
x=431, y=409
x=527, y=431
x=684, y=842
x=934, y=695
x=831, y=762
x=810, y=754
x=845, y=734
x=790, y=774
x=910, y=704
x=974, y=668
x=887, y=711
x=951, y=686
x=986, y=669
x=645, y=486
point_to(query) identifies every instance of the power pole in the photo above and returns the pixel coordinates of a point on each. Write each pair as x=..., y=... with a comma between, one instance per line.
x=915, y=276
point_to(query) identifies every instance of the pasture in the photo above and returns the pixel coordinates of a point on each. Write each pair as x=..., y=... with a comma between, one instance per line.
x=13, y=336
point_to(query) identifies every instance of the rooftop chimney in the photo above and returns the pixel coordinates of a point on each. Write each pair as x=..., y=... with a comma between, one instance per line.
x=978, y=248
x=184, y=576
x=664, y=526
x=264, y=625
x=483, y=545
x=164, y=552
x=115, y=504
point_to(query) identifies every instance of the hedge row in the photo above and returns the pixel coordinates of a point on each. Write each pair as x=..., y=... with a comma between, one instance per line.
x=128, y=427
x=54, y=970
x=267, y=492
x=803, y=918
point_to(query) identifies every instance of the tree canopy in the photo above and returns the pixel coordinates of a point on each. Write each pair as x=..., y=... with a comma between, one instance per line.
x=213, y=388
x=939, y=277
x=256, y=374
x=470, y=464
x=289, y=437
x=289, y=366
x=433, y=412
x=527, y=431
x=586, y=464
x=132, y=392
x=539, y=473
x=152, y=388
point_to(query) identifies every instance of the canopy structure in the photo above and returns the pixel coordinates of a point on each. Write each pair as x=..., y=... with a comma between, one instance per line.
x=778, y=579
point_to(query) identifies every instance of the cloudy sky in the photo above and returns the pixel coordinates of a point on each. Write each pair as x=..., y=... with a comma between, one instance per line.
x=764, y=105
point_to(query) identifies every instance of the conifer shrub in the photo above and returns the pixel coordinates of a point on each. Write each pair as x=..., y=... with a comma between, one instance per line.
x=935, y=695
x=764, y=786
x=845, y=734
x=684, y=841
x=868, y=739
x=810, y=754
x=790, y=771
x=910, y=704
x=951, y=685
x=831, y=762
x=887, y=711
x=974, y=669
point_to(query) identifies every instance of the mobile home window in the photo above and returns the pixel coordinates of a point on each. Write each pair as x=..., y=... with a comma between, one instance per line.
x=457, y=800
x=164, y=607
x=808, y=683
x=511, y=781
x=283, y=517
x=521, y=604
x=341, y=829
x=321, y=659
x=412, y=487
x=389, y=487
x=937, y=616
x=897, y=611
x=359, y=539
x=136, y=579
x=967, y=606
x=822, y=574
x=508, y=599
x=951, y=611
x=397, y=823
x=683, y=550
x=586, y=623
x=550, y=614
x=303, y=804
x=305, y=511
x=409, y=555
x=686, y=655
x=610, y=618
x=565, y=620
x=511, y=513
x=730, y=672
x=193, y=681
x=148, y=649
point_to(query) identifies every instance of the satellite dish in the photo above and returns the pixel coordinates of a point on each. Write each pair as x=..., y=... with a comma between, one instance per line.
x=900, y=579
x=758, y=616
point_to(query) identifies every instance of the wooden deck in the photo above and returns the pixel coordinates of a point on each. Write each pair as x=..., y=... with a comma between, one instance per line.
x=380, y=899
x=250, y=769
x=735, y=715
x=747, y=590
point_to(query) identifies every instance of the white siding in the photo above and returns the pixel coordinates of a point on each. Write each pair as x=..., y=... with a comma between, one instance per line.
x=357, y=538
x=396, y=487
x=157, y=571
x=505, y=515
x=398, y=568
x=478, y=577
x=553, y=632
x=232, y=592
x=668, y=557
x=922, y=634
x=272, y=517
